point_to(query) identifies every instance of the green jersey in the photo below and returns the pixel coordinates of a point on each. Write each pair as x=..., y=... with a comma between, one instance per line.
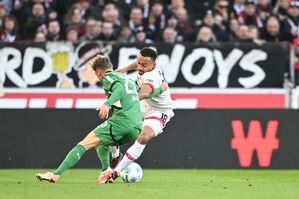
x=126, y=116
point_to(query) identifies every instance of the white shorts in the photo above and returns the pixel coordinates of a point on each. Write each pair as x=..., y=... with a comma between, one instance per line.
x=157, y=120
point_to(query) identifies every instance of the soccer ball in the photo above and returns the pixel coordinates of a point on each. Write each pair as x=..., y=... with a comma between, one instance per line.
x=133, y=173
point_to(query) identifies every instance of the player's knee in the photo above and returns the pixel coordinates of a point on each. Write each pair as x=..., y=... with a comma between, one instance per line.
x=82, y=143
x=144, y=138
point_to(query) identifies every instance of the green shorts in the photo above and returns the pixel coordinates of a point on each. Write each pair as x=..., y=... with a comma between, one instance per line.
x=111, y=133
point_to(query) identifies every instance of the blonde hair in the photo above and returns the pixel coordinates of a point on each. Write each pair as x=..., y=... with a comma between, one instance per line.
x=101, y=62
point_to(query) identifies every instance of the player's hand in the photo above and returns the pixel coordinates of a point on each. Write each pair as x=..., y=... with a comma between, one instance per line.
x=164, y=86
x=121, y=70
x=103, y=111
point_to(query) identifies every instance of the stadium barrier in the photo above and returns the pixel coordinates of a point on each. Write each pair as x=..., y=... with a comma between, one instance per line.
x=213, y=139
x=194, y=98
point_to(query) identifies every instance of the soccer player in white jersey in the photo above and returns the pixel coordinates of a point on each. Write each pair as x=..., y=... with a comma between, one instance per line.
x=156, y=111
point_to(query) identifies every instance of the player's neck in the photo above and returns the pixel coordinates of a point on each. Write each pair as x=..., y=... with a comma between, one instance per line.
x=108, y=71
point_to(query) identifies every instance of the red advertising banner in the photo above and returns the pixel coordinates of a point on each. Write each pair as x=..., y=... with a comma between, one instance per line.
x=185, y=98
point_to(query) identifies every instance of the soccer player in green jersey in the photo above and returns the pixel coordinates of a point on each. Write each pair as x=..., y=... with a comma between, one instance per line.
x=123, y=126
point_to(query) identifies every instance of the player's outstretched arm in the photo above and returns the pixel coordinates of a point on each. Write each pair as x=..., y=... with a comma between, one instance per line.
x=132, y=66
x=158, y=91
x=145, y=91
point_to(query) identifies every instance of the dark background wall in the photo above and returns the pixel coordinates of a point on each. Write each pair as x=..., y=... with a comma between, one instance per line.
x=193, y=139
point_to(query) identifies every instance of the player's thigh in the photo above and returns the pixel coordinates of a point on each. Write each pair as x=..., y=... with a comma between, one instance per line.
x=129, y=134
x=157, y=120
x=115, y=133
x=90, y=141
x=103, y=132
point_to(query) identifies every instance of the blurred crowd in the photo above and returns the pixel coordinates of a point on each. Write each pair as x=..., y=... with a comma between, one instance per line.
x=147, y=21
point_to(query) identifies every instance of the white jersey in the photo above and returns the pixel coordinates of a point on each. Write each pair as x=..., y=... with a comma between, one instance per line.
x=154, y=79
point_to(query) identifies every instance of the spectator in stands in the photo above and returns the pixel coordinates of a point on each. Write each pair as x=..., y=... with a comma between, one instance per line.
x=169, y=35
x=209, y=20
x=53, y=30
x=221, y=28
x=291, y=22
x=157, y=19
x=254, y=32
x=249, y=15
x=175, y=5
x=36, y=21
x=197, y=9
x=112, y=15
x=145, y=6
x=84, y=8
x=264, y=9
x=92, y=32
x=184, y=24
x=221, y=8
x=136, y=19
x=255, y=36
x=272, y=31
x=173, y=22
x=233, y=28
x=237, y=8
x=125, y=35
x=72, y=34
x=107, y=32
x=280, y=9
x=124, y=8
x=7, y=5
x=107, y=8
x=140, y=36
x=40, y=37
x=96, y=10
x=205, y=35
x=9, y=29
x=74, y=17
x=2, y=13
x=243, y=34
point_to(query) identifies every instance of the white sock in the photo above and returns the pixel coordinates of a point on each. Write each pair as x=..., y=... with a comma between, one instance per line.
x=114, y=151
x=130, y=156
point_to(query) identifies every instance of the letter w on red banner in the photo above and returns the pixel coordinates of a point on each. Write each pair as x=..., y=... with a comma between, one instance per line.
x=255, y=141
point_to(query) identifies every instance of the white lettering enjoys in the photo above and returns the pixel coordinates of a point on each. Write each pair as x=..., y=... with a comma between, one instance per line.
x=249, y=63
x=173, y=62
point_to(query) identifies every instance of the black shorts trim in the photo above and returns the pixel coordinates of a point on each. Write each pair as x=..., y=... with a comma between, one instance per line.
x=112, y=136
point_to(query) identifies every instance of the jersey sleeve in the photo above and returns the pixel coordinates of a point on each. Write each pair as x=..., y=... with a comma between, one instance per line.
x=113, y=88
x=117, y=92
x=108, y=81
x=151, y=80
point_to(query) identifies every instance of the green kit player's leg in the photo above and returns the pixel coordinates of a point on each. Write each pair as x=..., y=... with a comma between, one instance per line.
x=71, y=159
x=103, y=154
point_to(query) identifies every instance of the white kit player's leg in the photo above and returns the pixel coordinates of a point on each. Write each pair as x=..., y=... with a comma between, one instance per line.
x=132, y=154
x=152, y=126
x=114, y=151
x=116, y=156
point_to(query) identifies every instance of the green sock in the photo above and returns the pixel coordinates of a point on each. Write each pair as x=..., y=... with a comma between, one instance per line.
x=103, y=154
x=71, y=159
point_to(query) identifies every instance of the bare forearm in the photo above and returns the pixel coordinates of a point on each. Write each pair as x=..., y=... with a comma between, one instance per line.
x=144, y=92
x=131, y=66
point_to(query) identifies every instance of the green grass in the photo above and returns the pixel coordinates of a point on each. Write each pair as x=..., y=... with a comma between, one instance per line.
x=155, y=184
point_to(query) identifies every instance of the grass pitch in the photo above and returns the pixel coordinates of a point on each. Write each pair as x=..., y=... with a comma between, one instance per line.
x=155, y=184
